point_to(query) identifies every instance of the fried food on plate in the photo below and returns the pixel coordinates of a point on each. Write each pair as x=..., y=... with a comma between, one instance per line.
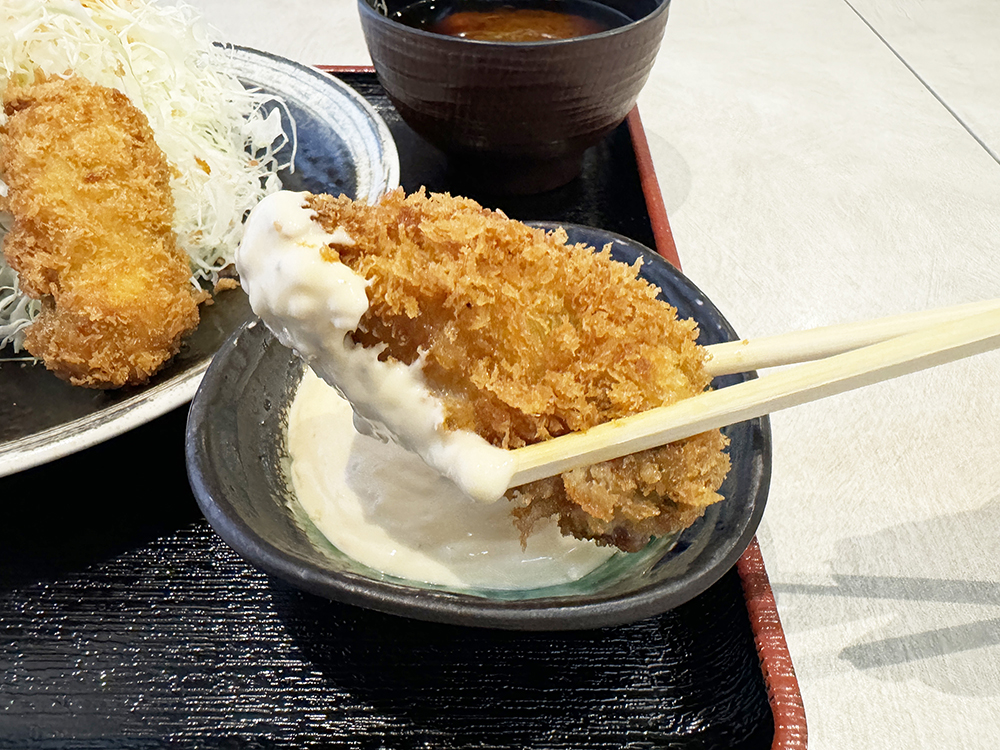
x=524, y=337
x=91, y=238
x=225, y=144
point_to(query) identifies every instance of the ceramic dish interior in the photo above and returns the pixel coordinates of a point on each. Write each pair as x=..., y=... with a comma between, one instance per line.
x=238, y=467
x=343, y=145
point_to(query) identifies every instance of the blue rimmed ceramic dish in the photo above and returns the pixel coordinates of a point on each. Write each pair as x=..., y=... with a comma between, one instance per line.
x=237, y=463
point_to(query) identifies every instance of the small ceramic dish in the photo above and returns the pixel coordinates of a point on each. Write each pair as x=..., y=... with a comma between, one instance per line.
x=238, y=467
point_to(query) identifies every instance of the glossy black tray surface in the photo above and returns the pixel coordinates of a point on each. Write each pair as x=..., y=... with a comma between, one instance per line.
x=125, y=622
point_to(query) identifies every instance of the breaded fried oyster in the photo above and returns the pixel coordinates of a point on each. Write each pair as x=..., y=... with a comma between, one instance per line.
x=450, y=327
x=92, y=239
x=525, y=337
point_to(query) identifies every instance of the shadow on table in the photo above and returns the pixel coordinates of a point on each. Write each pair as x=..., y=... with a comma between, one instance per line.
x=65, y=516
x=670, y=681
x=940, y=623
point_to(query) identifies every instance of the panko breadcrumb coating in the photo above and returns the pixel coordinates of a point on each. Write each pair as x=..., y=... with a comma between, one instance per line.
x=525, y=337
x=90, y=195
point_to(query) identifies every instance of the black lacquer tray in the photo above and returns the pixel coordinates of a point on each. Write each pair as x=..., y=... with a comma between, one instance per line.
x=125, y=622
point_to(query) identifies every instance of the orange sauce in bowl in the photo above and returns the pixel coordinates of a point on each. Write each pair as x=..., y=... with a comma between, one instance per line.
x=516, y=25
x=513, y=20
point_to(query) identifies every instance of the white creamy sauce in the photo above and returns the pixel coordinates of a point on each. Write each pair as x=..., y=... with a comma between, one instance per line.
x=373, y=500
x=312, y=305
x=384, y=507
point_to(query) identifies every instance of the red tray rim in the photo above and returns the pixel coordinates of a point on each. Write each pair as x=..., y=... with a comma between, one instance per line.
x=782, y=685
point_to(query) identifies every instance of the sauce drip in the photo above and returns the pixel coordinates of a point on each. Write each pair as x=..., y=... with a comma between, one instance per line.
x=520, y=22
x=375, y=501
x=387, y=509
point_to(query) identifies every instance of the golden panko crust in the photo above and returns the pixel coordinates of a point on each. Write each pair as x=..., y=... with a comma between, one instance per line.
x=526, y=337
x=89, y=191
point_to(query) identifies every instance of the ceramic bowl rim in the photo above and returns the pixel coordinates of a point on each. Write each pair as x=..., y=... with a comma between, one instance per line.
x=365, y=7
x=548, y=613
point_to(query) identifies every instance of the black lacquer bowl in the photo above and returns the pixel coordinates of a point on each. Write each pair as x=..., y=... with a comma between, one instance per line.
x=238, y=467
x=516, y=117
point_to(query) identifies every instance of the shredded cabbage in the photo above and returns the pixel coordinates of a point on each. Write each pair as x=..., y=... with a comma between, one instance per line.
x=220, y=139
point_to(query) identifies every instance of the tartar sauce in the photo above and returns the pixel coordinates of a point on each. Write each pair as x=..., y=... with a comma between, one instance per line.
x=384, y=507
x=312, y=305
x=373, y=500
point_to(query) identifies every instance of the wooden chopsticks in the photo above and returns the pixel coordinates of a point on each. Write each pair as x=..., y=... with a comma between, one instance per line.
x=818, y=343
x=837, y=359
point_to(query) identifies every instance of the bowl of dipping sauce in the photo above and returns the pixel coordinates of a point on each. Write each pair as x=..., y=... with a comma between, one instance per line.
x=513, y=91
x=283, y=477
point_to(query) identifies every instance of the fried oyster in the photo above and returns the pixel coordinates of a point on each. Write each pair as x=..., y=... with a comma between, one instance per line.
x=89, y=190
x=524, y=338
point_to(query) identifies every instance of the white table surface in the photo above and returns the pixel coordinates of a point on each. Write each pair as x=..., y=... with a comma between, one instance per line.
x=823, y=161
